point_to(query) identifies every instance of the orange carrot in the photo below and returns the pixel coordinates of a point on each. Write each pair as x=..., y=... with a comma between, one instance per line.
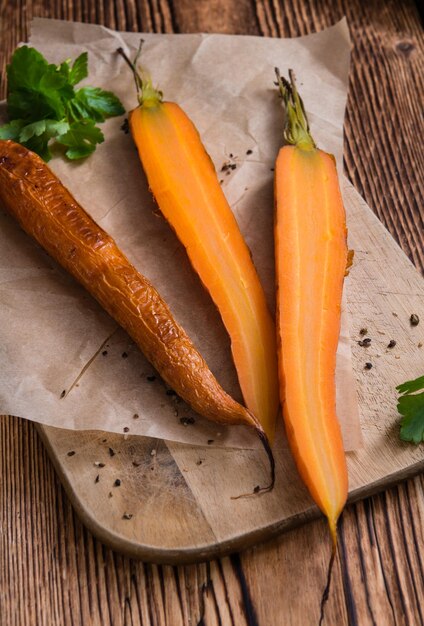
x=185, y=185
x=46, y=210
x=311, y=260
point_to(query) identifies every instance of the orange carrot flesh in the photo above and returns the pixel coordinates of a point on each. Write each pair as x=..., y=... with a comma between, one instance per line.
x=184, y=183
x=311, y=258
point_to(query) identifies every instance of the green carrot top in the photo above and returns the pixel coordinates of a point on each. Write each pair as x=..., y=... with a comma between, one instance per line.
x=296, y=131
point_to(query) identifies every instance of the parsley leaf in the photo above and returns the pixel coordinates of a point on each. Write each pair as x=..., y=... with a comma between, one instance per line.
x=34, y=136
x=40, y=145
x=12, y=130
x=43, y=105
x=97, y=104
x=26, y=69
x=81, y=139
x=79, y=69
x=36, y=89
x=411, y=406
x=44, y=127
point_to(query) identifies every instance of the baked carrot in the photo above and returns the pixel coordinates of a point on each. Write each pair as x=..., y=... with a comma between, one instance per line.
x=185, y=185
x=47, y=211
x=311, y=259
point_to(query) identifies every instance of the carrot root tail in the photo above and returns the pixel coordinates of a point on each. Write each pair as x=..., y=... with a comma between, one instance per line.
x=267, y=447
x=326, y=593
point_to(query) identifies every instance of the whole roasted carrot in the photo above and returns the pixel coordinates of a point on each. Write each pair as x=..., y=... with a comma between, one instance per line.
x=47, y=211
x=311, y=259
x=185, y=185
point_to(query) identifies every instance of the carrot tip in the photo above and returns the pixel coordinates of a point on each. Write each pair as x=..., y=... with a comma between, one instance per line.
x=332, y=524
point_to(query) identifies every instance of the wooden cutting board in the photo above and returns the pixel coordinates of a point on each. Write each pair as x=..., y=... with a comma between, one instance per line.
x=171, y=503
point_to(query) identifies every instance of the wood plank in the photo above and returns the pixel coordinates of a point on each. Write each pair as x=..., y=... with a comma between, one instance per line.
x=57, y=573
x=37, y=511
x=380, y=570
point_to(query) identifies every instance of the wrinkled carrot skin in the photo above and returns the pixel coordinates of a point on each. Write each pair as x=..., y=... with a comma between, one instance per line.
x=46, y=210
x=184, y=183
x=311, y=258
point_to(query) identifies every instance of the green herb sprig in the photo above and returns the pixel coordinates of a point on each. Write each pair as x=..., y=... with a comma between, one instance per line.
x=411, y=406
x=44, y=106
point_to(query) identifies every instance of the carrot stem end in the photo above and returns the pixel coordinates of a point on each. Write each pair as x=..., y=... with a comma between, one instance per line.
x=147, y=95
x=296, y=131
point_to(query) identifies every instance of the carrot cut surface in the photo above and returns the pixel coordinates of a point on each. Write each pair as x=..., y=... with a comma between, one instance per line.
x=311, y=258
x=185, y=185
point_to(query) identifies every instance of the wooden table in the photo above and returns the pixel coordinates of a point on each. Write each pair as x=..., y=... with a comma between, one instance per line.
x=52, y=571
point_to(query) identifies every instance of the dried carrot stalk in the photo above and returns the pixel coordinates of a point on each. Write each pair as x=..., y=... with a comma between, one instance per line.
x=185, y=185
x=311, y=259
x=47, y=211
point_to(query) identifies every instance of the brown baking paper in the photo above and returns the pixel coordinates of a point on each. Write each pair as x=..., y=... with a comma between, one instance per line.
x=64, y=360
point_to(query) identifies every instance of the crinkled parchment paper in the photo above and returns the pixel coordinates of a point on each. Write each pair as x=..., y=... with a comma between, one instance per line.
x=55, y=340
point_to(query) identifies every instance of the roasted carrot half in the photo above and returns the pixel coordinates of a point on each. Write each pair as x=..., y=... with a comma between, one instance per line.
x=184, y=182
x=311, y=258
x=47, y=211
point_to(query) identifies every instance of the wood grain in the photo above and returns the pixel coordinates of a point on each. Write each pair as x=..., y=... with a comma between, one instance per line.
x=56, y=573
x=52, y=571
